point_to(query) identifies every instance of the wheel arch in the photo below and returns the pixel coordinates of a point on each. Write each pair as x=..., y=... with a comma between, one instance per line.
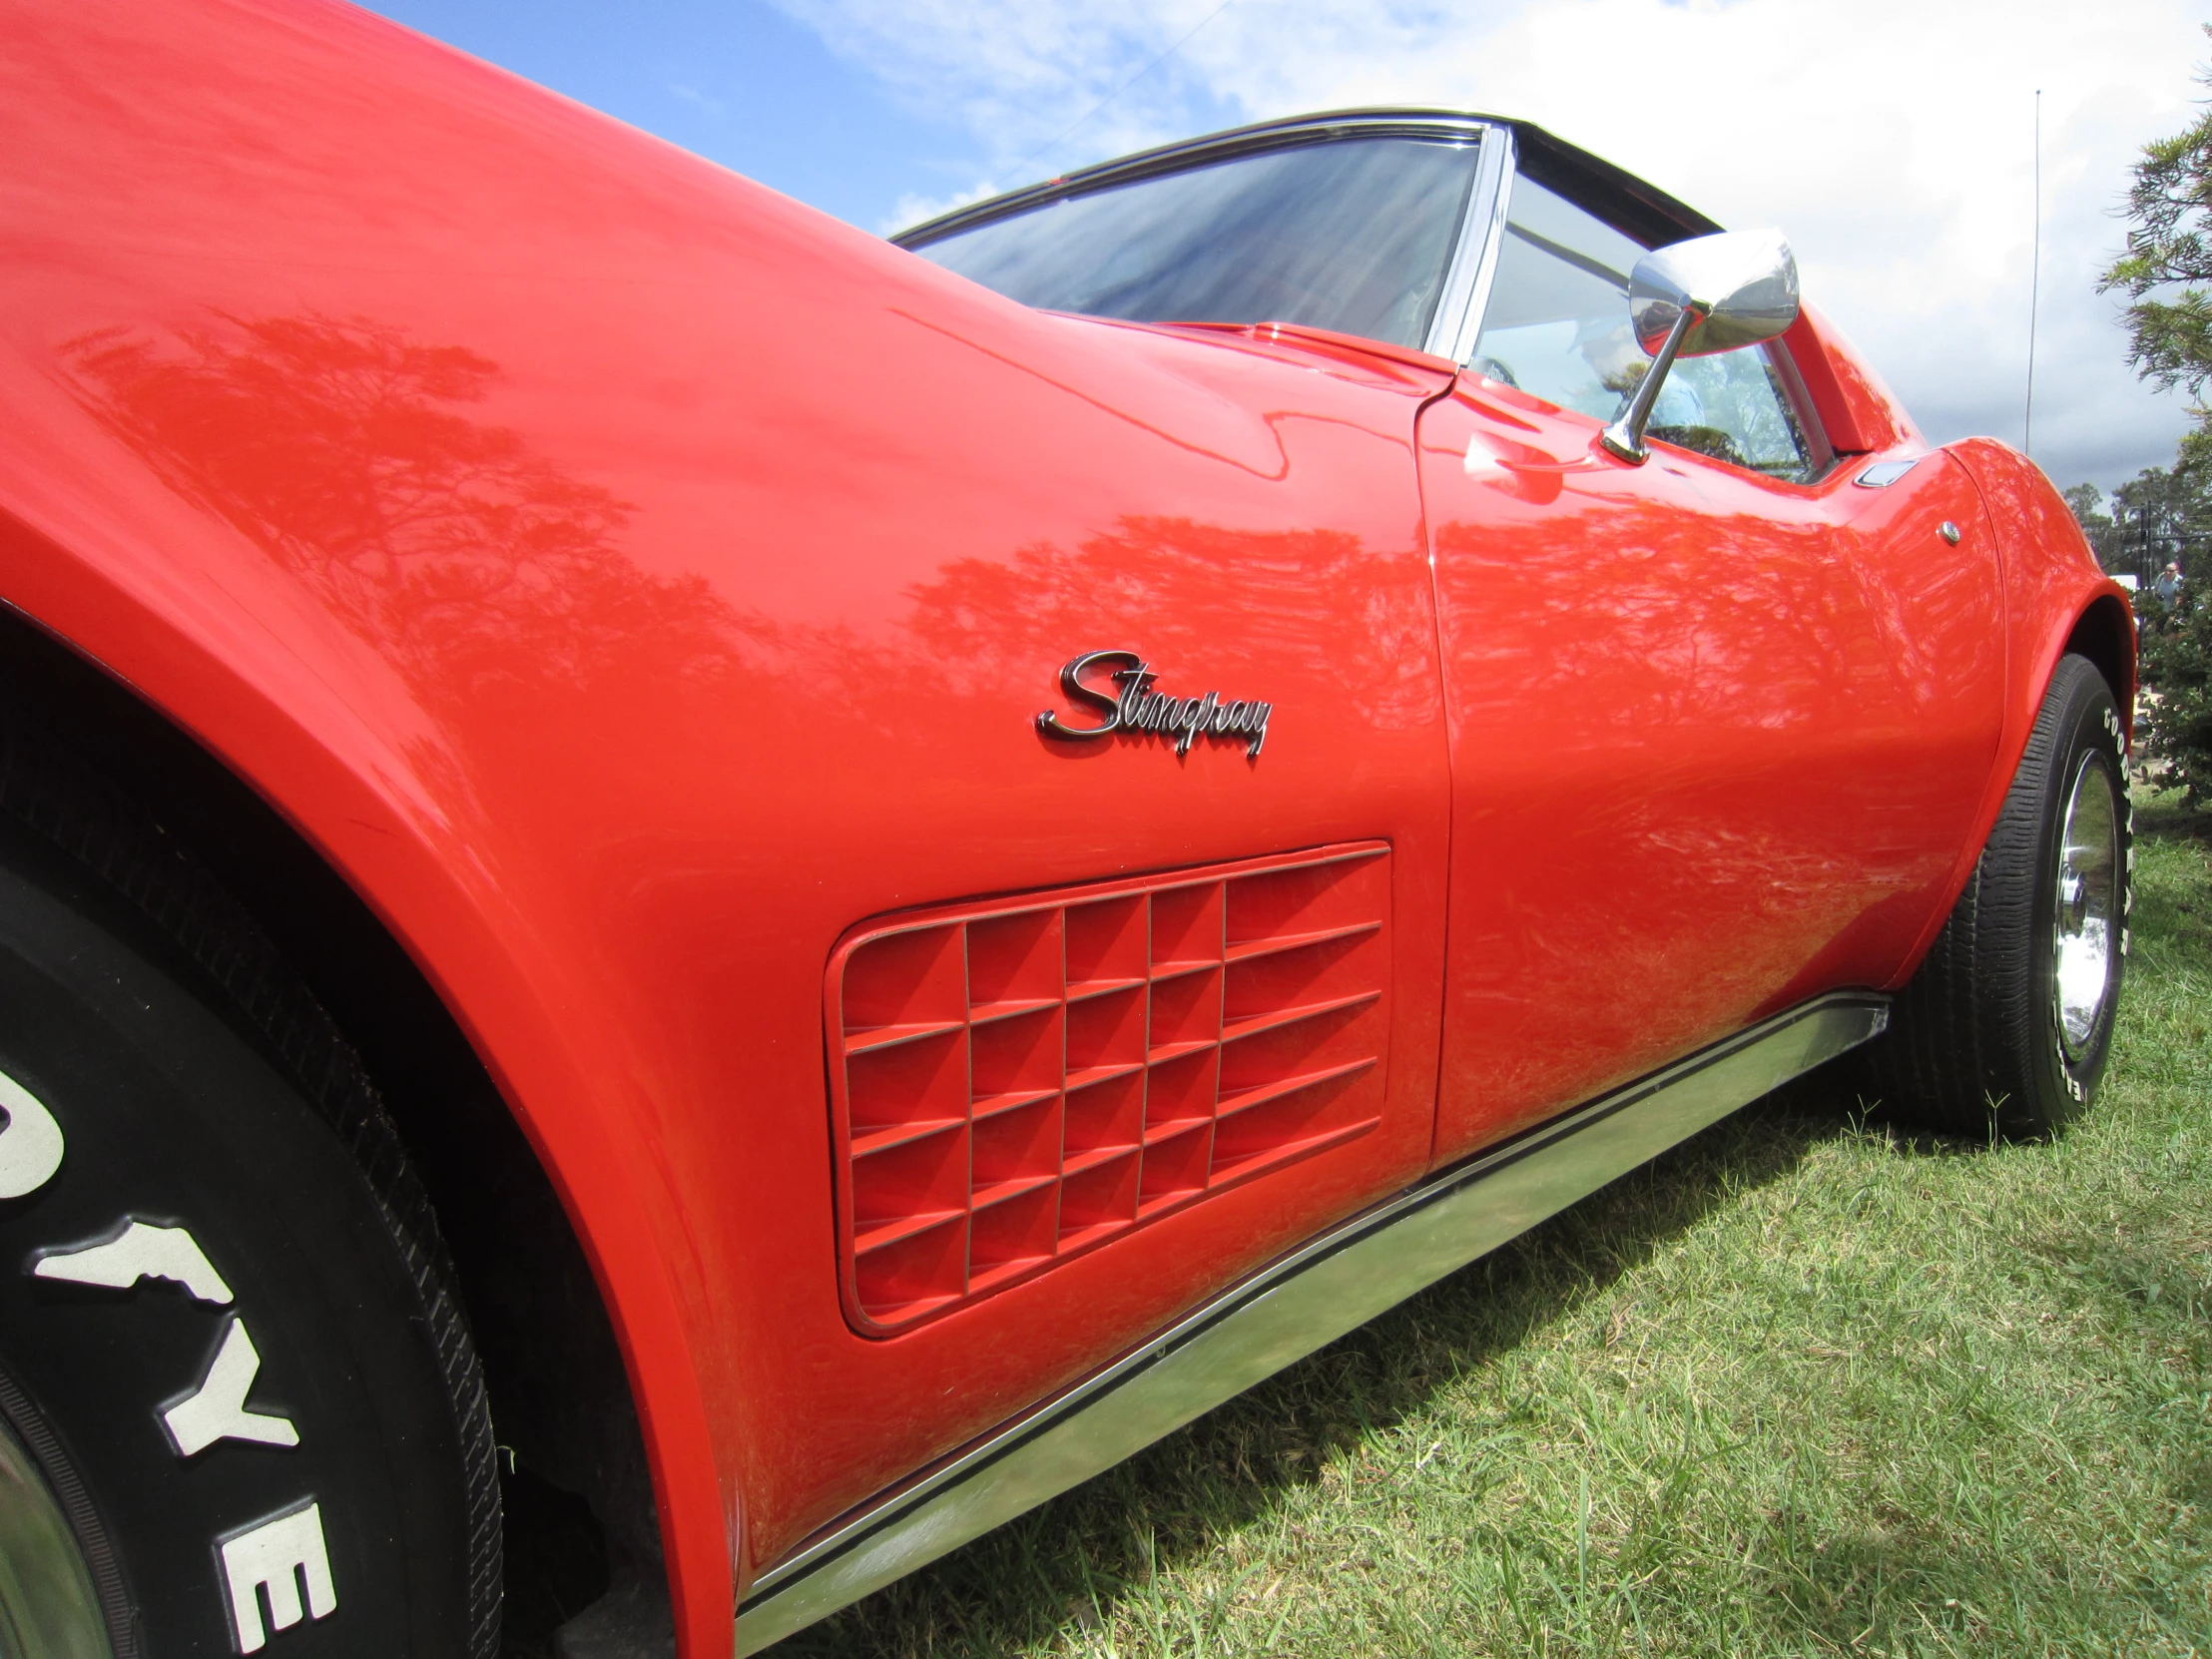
x=2105, y=634
x=565, y=1405
x=2054, y=599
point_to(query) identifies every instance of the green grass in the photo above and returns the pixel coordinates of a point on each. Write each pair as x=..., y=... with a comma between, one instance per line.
x=1803, y=1387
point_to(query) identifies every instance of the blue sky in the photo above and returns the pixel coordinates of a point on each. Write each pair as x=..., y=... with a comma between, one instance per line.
x=1903, y=179
x=739, y=83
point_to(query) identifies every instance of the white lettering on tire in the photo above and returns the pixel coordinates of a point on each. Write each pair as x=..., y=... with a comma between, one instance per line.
x=278, y=1558
x=282, y=1559
x=216, y=1410
x=140, y=1251
x=30, y=1144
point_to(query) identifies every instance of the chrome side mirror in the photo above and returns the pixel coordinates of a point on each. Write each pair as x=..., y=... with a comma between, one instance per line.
x=1697, y=299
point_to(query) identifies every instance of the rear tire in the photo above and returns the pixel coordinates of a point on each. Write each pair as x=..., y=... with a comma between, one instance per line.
x=229, y=1337
x=2006, y=1026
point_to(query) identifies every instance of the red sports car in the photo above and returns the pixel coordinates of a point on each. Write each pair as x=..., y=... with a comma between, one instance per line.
x=764, y=894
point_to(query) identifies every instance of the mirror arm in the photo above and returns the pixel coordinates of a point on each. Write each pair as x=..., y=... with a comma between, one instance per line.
x=1625, y=437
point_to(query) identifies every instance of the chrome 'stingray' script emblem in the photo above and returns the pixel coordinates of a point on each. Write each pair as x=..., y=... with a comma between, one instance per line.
x=1137, y=710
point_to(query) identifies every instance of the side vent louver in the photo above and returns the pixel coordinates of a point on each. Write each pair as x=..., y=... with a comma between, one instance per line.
x=1016, y=1081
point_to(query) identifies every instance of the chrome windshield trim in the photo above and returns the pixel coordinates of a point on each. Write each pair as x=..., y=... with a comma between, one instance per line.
x=1458, y=320
x=1287, y=1310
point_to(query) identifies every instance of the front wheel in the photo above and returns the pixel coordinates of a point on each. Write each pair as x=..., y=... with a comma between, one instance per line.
x=238, y=1406
x=2007, y=1024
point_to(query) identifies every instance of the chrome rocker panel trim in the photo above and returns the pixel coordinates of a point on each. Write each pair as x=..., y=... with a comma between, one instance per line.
x=1331, y=1285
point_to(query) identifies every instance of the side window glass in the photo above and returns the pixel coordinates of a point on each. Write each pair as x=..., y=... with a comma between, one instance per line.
x=1557, y=327
x=1732, y=407
x=1556, y=324
x=1354, y=235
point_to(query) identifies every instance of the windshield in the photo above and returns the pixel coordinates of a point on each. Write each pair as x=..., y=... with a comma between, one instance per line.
x=1353, y=234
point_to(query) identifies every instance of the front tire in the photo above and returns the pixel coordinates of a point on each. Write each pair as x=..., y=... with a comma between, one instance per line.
x=2006, y=1026
x=228, y=1340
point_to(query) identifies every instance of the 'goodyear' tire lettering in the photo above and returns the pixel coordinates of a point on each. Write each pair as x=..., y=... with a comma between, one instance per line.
x=216, y=1410
x=139, y=1251
x=285, y=1559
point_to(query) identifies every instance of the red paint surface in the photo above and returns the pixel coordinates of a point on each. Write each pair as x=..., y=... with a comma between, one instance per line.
x=1717, y=742
x=1856, y=409
x=630, y=579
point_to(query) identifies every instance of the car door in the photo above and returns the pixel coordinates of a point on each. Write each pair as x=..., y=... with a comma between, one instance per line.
x=1718, y=722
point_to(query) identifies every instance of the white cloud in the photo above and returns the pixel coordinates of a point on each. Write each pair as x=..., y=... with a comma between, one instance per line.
x=912, y=207
x=1019, y=75
x=1891, y=139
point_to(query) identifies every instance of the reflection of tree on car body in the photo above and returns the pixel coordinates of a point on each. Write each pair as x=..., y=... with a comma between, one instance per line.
x=517, y=610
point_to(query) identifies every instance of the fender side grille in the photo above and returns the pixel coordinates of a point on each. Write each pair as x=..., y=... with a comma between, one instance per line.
x=1019, y=1080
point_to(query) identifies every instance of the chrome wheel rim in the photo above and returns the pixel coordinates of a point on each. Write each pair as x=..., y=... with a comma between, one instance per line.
x=2086, y=925
x=47, y=1603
